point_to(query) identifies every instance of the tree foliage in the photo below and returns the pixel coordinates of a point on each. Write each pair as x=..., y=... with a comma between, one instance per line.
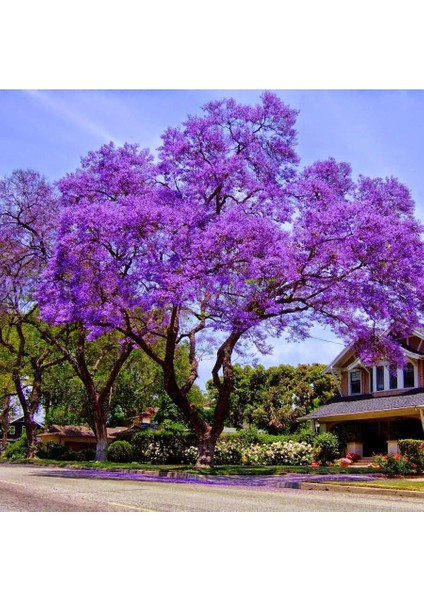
x=272, y=399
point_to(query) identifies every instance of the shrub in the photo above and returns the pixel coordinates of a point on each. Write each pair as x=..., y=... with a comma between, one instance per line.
x=393, y=464
x=289, y=453
x=326, y=448
x=229, y=452
x=15, y=450
x=249, y=436
x=53, y=451
x=413, y=452
x=278, y=453
x=120, y=451
x=245, y=447
x=306, y=435
x=162, y=446
x=85, y=454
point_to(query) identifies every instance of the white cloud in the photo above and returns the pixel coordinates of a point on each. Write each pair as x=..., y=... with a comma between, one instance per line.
x=71, y=115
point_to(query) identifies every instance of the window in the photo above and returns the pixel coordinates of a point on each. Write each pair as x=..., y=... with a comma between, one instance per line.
x=355, y=382
x=408, y=376
x=385, y=377
x=393, y=380
x=11, y=430
x=380, y=378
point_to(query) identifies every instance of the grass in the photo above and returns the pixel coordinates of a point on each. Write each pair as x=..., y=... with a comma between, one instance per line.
x=413, y=485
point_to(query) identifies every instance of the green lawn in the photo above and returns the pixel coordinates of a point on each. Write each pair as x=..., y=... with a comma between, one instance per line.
x=413, y=485
x=218, y=470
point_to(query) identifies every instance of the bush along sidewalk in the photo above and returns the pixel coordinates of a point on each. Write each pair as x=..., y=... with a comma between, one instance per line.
x=243, y=448
x=409, y=460
x=176, y=446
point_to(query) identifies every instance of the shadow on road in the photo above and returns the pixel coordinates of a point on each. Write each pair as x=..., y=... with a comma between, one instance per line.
x=286, y=480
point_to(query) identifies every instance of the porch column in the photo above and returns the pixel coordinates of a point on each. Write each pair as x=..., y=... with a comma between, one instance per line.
x=421, y=410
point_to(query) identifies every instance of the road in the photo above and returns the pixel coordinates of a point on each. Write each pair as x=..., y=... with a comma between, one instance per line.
x=26, y=488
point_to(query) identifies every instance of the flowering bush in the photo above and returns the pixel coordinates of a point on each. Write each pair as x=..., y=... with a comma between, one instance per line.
x=159, y=447
x=162, y=447
x=279, y=453
x=228, y=452
x=352, y=456
x=393, y=464
x=413, y=452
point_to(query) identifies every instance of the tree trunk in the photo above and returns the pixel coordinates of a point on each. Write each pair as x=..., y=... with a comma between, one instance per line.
x=101, y=449
x=100, y=430
x=206, y=446
x=28, y=408
x=30, y=428
x=5, y=421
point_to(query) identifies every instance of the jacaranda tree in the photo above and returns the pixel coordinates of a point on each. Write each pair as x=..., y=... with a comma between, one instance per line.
x=222, y=241
x=28, y=210
x=29, y=207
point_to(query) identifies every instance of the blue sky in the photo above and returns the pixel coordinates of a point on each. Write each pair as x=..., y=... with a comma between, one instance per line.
x=379, y=133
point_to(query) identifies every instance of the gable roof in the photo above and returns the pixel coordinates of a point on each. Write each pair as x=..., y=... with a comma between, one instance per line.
x=419, y=332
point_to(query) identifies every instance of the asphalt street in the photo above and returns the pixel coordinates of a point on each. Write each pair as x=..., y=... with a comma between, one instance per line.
x=39, y=489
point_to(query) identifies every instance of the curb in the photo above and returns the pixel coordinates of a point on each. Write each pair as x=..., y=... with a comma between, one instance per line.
x=328, y=487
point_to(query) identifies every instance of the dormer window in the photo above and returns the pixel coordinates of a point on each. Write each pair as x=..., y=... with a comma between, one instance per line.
x=355, y=382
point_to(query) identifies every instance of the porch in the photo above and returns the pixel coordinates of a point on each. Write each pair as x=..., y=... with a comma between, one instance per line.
x=367, y=437
x=372, y=425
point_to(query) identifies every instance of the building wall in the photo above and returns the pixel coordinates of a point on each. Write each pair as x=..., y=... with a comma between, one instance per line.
x=415, y=342
x=345, y=384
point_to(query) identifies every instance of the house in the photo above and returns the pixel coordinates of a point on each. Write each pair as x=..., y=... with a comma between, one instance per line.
x=79, y=437
x=75, y=437
x=16, y=429
x=139, y=423
x=377, y=405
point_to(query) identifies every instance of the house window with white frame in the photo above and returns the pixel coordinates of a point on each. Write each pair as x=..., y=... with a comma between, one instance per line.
x=393, y=377
x=379, y=371
x=355, y=382
x=408, y=376
x=388, y=377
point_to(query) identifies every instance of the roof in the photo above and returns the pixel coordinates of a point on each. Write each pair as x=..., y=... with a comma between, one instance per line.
x=80, y=431
x=418, y=331
x=21, y=417
x=136, y=428
x=368, y=403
